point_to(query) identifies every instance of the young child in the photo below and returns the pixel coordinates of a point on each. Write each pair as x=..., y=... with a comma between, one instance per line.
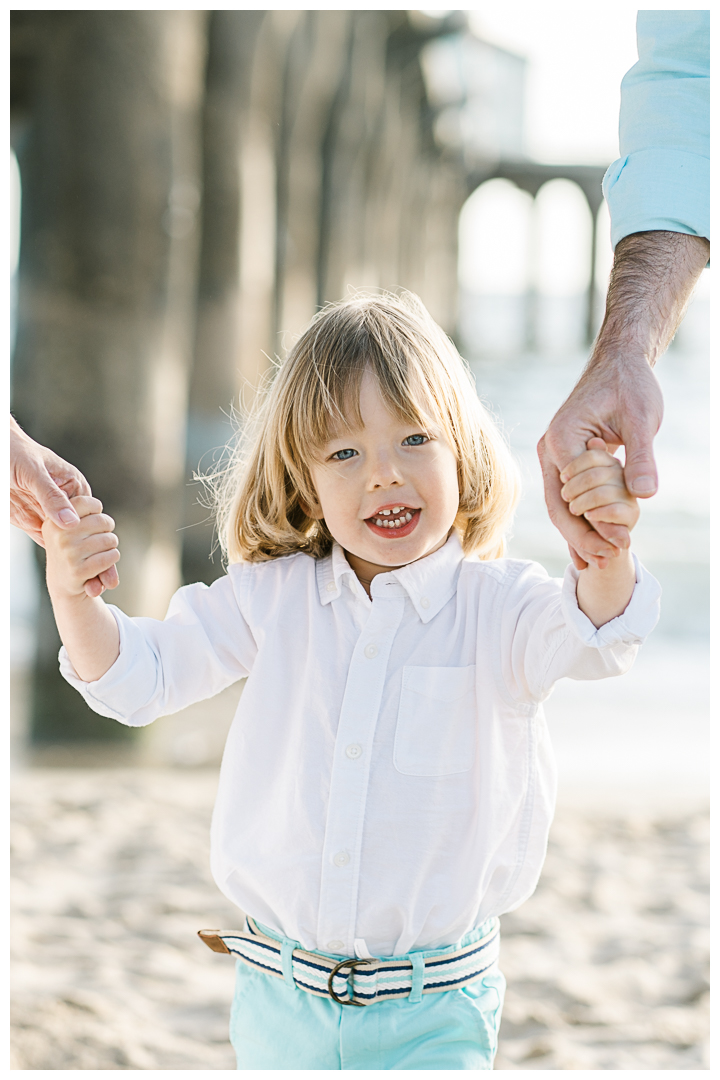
x=388, y=785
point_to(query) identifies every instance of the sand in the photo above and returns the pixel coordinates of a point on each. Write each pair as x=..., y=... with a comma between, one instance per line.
x=606, y=964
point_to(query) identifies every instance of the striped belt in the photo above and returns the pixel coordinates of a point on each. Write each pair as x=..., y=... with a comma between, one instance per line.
x=354, y=981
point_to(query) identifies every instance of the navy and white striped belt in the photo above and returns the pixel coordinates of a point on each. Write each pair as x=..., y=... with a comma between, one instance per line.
x=354, y=981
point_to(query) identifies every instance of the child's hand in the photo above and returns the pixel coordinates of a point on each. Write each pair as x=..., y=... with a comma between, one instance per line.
x=78, y=553
x=595, y=488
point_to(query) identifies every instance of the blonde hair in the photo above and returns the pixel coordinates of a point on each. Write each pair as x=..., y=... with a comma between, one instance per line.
x=262, y=497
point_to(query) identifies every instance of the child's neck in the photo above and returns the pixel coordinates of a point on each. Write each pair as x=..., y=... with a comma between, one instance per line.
x=365, y=571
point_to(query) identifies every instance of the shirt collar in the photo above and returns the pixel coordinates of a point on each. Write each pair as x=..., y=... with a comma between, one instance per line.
x=330, y=575
x=429, y=582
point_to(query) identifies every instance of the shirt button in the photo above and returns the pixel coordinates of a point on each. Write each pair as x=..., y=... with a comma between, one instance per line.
x=341, y=859
x=425, y=602
x=330, y=586
x=335, y=946
x=371, y=651
x=354, y=750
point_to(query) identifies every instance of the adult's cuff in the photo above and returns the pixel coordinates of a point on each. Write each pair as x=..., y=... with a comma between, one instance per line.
x=658, y=189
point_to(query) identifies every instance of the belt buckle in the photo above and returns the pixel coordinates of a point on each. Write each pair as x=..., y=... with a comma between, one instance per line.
x=351, y=964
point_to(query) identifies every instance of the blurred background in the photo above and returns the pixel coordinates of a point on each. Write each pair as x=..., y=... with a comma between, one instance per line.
x=187, y=188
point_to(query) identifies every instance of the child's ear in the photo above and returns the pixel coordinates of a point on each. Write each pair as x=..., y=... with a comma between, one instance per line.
x=313, y=512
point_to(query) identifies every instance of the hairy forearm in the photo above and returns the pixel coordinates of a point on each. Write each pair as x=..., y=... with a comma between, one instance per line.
x=89, y=633
x=617, y=397
x=604, y=594
x=652, y=280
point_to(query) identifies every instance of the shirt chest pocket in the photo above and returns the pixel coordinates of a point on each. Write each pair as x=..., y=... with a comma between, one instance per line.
x=435, y=733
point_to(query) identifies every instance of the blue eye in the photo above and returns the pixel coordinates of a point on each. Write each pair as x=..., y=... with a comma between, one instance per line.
x=344, y=455
x=415, y=440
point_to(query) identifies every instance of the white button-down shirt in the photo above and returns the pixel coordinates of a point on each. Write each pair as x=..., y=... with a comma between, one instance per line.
x=388, y=782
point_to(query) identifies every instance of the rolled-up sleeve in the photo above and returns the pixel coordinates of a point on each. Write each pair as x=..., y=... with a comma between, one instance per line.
x=202, y=646
x=661, y=180
x=549, y=638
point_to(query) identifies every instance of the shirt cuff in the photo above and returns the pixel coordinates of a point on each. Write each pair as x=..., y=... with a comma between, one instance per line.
x=658, y=189
x=127, y=694
x=631, y=628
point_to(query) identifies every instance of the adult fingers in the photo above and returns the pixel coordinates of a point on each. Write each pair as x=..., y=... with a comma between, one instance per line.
x=564, y=439
x=53, y=501
x=24, y=516
x=640, y=470
x=578, y=562
x=66, y=476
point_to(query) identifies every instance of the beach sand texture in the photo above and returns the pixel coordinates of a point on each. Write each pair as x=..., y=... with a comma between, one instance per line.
x=606, y=963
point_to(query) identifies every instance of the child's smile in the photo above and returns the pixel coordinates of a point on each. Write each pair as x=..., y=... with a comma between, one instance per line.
x=388, y=490
x=392, y=522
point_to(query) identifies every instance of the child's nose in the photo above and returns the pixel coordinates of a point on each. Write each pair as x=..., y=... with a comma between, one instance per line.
x=385, y=473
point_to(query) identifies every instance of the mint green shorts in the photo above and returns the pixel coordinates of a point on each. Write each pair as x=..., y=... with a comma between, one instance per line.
x=277, y=1026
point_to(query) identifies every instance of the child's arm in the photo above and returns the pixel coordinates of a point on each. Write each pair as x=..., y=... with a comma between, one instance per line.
x=77, y=554
x=595, y=487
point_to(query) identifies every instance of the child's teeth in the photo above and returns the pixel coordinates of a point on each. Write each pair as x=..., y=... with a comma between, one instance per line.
x=384, y=521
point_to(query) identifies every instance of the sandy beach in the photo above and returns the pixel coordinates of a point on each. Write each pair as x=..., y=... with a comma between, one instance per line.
x=606, y=964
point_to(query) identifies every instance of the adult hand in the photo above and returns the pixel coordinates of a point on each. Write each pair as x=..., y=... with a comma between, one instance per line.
x=41, y=486
x=618, y=401
x=618, y=398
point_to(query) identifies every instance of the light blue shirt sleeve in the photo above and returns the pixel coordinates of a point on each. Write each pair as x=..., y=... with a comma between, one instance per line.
x=662, y=178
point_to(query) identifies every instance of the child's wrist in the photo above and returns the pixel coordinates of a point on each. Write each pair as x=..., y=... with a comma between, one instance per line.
x=70, y=595
x=603, y=593
x=615, y=564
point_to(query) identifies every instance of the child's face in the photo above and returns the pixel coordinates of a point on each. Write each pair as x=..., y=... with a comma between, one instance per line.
x=387, y=471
